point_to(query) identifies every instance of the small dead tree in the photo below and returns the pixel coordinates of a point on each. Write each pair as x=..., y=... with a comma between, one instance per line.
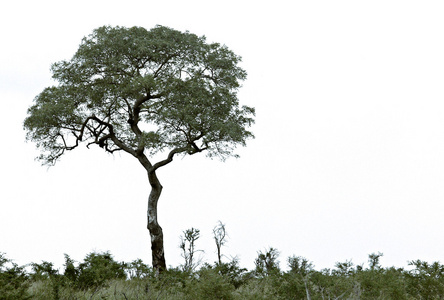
x=220, y=236
x=187, y=244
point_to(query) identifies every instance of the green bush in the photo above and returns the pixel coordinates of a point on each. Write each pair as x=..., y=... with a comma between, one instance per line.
x=48, y=276
x=267, y=263
x=231, y=270
x=14, y=281
x=99, y=276
x=209, y=284
x=97, y=269
x=256, y=289
x=137, y=269
x=426, y=281
x=294, y=284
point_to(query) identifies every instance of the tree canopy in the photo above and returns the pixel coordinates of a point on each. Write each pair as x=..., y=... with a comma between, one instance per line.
x=143, y=91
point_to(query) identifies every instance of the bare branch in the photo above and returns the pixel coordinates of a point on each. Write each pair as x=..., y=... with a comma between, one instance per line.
x=114, y=138
x=169, y=158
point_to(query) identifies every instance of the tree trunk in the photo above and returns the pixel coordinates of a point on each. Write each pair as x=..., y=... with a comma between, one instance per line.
x=155, y=230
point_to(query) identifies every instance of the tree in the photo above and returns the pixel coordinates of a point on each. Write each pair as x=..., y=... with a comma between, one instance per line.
x=143, y=92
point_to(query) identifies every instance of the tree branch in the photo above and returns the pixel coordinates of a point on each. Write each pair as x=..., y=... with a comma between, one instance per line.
x=169, y=158
x=102, y=140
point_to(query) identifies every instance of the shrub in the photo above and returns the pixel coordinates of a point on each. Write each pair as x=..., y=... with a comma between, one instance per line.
x=14, y=282
x=137, y=269
x=426, y=281
x=209, y=284
x=94, y=272
x=231, y=270
x=267, y=263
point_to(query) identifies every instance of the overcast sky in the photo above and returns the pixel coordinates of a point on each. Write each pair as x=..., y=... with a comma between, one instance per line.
x=349, y=151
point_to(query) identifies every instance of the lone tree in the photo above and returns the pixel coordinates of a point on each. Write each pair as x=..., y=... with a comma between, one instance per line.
x=143, y=92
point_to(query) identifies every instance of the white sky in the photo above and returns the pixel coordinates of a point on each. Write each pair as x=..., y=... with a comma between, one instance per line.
x=349, y=151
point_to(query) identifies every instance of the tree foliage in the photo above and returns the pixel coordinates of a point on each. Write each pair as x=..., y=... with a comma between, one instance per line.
x=134, y=90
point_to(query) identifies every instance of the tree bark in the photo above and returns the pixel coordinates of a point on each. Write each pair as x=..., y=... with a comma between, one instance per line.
x=158, y=254
x=156, y=233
